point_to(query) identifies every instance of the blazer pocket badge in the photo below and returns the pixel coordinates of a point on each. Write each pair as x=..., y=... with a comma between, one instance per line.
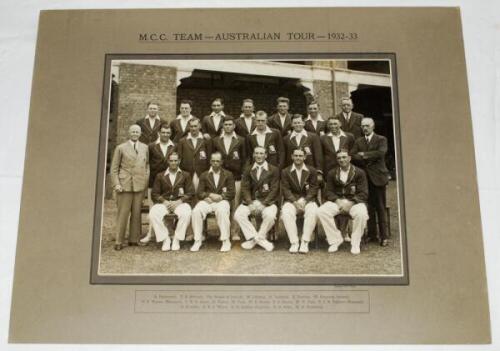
x=272, y=149
x=307, y=186
x=265, y=187
x=224, y=190
x=203, y=155
x=353, y=189
x=307, y=150
x=181, y=191
x=236, y=156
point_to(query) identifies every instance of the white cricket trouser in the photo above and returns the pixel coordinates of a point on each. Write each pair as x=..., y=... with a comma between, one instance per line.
x=359, y=215
x=289, y=217
x=158, y=211
x=268, y=218
x=196, y=181
x=200, y=212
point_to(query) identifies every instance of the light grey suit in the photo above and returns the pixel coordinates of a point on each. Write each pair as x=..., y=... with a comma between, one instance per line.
x=130, y=170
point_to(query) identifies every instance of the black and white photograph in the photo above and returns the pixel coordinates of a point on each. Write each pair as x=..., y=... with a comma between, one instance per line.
x=258, y=170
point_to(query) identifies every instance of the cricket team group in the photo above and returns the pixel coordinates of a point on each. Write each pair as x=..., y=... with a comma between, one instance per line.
x=256, y=166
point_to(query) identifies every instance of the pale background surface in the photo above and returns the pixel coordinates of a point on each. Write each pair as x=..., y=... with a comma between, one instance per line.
x=18, y=22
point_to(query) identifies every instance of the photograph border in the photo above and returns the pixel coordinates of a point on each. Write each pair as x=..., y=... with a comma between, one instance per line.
x=197, y=279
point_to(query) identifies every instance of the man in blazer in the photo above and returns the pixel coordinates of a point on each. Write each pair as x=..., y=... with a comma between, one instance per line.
x=309, y=142
x=215, y=193
x=172, y=192
x=281, y=120
x=299, y=185
x=180, y=125
x=234, y=155
x=268, y=138
x=351, y=121
x=346, y=193
x=246, y=123
x=212, y=124
x=332, y=142
x=314, y=122
x=150, y=125
x=129, y=177
x=260, y=196
x=369, y=153
x=194, y=151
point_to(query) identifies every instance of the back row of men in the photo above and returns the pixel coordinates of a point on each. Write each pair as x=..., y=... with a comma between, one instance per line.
x=235, y=141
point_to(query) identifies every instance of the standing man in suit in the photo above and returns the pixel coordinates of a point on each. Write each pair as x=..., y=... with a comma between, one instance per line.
x=268, y=138
x=260, y=196
x=369, y=153
x=194, y=151
x=180, y=125
x=314, y=122
x=158, y=163
x=215, y=193
x=346, y=193
x=150, y=125
x=172, y=192
x=246, y=123
x=212, y=124
x=129, y=177
x=281, y=120
x=299, y=185
x=332, y=142
x=309, y=142
x=233, y=149
x=351, y=121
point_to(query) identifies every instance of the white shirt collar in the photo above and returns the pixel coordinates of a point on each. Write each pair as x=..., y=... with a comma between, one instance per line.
x=294, y=134
x=348, y=169
x=221, y=113
x=369, y=136
x=180, y=117
x=211, y=170
x=317, y=119
x=251, y=116
x=200, y=136
x=268, y=130
x=133, y=143
x=167, y=172
x=168, y=143
x=264, y=165
x=156, y=117
x=304, y=168
x=232, y=135
x=341, y=134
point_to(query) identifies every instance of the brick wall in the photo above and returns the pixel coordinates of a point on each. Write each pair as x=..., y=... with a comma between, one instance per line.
x=323, y=94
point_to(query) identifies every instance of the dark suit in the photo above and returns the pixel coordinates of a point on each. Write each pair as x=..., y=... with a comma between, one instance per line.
x=208, y=125
x=373, y=162
x=274, y=121
x=354, y=189
x=235, y=159
x=241, y=127
x=320, y=129
x=225, y=186
x=194, y=159
x=266, y=189
x=177, y=132
x=163, y=190
x=149, y=135
x=354, y=124
x=312, y=146
x=293, y=190
x=329, y=151
x=157, y=161
x=274, y=147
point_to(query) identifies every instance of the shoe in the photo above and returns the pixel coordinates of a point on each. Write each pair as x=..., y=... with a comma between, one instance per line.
x=384, y=242
x=235, y=237
x=355, y=250
x=166, y=245
x=333, y=248
x=118, y=247
x=249, y=244
x=132, y=244
x=265, y=244
x=146, y=239
x=226, y=246
x=347, y=239
x=175, y=245
x=304, y=247
x=196, y=246
x=294, y=248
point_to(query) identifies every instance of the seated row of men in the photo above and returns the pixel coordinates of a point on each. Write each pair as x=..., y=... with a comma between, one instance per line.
x=346, y=192
x=196, y=144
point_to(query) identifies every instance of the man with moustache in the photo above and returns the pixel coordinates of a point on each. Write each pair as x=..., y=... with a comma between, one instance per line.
x=180, y=125
x=314, y=123
x=268, y=138
x=369, y=153
x=299, y=185
x=150, y=125
x=246, y=123
x=194, y=151
x=215, y=192
x=172, y=192
x=260, y=196
x=351, y=121
x=332, y=142
x=129, y=178
x=212, y=124
x=281, y=120
x=346, y=193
